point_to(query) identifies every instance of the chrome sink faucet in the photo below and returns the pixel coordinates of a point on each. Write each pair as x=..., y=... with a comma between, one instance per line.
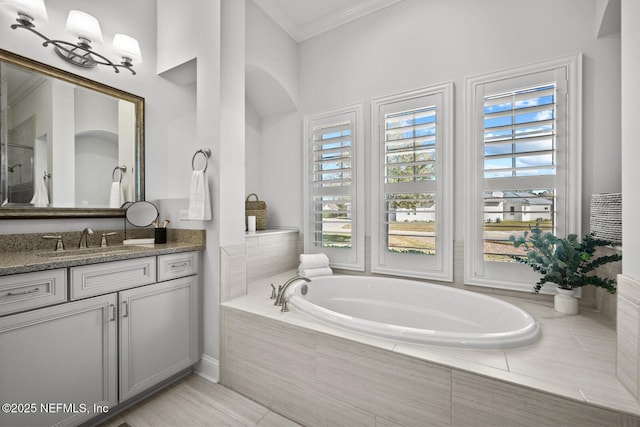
x=83, y=238
x=280, y=299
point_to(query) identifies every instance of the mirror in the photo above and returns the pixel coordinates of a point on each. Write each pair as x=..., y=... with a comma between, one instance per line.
x=141, y=214
x=70, y=147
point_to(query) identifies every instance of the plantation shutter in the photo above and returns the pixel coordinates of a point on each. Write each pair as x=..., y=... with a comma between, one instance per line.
x=520, y=163
x=334, y=204
x=523, y=130
x=412, y=175
x=332, y=178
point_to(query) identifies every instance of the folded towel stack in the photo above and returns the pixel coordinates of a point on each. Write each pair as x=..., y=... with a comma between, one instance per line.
x=314, y=265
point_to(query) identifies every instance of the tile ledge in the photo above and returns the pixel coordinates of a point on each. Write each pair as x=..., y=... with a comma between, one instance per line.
x=271, y=231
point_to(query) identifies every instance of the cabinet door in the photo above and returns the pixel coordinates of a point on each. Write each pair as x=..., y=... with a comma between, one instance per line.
x=58, y=364
x=158, y=333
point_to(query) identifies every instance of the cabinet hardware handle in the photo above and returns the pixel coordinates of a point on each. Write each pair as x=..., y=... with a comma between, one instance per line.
x=181, y=266
x=31, y=291
x=125, y=309
x=113, y=312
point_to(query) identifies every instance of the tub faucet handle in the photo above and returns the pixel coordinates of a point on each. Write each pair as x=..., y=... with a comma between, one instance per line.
x=283, y=288
x=273, y=292
x=285, y=306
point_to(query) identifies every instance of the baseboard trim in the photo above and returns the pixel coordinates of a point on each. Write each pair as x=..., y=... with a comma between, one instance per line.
x=208, y=368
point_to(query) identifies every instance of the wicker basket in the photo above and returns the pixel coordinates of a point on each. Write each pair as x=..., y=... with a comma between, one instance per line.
x=606, y=216
x=258, y=209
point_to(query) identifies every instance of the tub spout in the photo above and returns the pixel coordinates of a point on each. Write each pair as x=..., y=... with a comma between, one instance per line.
x=282, y=289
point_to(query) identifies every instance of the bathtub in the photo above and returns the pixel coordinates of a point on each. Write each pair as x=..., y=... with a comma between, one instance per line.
x=412, y=311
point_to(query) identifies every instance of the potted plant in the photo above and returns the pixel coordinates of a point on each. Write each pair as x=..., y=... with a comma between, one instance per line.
x=565, y=262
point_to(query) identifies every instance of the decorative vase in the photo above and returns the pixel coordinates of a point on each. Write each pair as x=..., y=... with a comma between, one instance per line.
x=565, y=301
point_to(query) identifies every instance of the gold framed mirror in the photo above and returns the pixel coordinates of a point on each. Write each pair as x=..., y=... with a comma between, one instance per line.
x=70, y=146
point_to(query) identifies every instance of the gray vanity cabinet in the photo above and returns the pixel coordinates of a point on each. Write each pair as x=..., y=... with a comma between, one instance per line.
x=57, y=364
x=158, y=333
x=124, y=330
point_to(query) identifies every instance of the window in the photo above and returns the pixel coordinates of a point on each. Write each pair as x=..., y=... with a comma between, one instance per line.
x=411, y=183
x=334, y=205
x=523, y=164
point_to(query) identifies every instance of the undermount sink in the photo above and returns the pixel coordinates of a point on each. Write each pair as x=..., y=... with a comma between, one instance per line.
x=86, y=252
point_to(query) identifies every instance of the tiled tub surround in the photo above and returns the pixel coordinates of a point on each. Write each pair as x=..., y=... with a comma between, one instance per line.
x=628, y=345
x=320, y=375
x=264, y=253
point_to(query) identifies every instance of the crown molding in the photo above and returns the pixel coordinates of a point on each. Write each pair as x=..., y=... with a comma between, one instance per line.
x=323, y=23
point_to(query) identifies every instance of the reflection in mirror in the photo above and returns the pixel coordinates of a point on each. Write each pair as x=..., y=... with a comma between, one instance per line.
x=63, y=138
x=141, y=214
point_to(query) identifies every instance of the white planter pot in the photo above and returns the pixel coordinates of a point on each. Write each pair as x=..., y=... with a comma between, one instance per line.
x=565, y=301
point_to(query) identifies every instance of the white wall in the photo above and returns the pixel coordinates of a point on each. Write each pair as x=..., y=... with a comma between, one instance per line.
x=271, y=58
x=630, y=147
x=418, y=43
x=96, y=154
x=253, y=173
x=95, y=111
x=273, y=126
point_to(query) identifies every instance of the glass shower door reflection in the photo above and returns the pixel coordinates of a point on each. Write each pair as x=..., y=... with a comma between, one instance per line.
x=19, y=174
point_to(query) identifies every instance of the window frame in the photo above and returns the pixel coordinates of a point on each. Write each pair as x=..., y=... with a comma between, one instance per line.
x=440, y=266
x=568, y=184
x=354, y=257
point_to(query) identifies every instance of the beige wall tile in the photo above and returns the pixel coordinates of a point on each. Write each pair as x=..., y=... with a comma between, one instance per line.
x=627, y=352
x=282, y=350
x=233, y=274
x=308, y=407
x=396, y=387
x=628, y=421
x=480, y=401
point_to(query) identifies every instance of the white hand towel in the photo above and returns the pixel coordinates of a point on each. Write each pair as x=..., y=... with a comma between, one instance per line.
x=116, y=199
x=199, y=198
x=315, y=272
x=41, y=195
x=314, y=260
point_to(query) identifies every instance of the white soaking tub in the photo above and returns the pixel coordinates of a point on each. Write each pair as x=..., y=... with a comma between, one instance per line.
x=412, y=311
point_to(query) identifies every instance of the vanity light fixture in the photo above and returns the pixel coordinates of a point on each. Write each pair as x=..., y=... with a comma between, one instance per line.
x=82, y=25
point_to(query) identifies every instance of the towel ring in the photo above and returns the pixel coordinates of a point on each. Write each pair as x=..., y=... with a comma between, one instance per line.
x=122, y=169
x=206, y=153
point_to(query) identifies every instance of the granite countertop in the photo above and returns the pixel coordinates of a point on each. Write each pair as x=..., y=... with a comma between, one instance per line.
x=20, y=259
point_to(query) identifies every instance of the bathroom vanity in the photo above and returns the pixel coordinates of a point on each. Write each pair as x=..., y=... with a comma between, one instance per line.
x=81, y=333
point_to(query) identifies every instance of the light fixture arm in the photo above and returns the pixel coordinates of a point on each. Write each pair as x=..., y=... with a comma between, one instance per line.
x=79, y=54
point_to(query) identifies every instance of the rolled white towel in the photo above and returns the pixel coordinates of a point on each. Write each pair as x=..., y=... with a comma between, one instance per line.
x=314, y=260
x=315, y=272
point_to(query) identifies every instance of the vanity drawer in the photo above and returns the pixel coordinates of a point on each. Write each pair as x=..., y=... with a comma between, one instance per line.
x=97, y=279
x=25, y=291
x=172, y=266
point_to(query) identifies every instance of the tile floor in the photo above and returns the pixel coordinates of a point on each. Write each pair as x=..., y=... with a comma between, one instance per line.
x=193, y=401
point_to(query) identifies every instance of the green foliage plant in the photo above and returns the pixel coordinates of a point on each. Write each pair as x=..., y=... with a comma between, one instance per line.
x=564, y=261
